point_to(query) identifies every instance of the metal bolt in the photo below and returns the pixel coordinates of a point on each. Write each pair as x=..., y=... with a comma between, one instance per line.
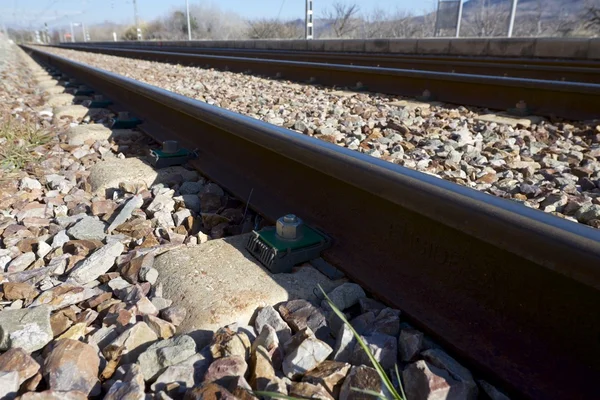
x=123, y=115
x=288, y=227
x=521, y=105
x=359, y=85
x=98, y=97
x=72, y=80
x=426, y=93
x=170, y=146
x=82, y=87
x=278, y=75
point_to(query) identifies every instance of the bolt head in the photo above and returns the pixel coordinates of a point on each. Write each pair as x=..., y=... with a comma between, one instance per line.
x=288, y=227
x=170, y=146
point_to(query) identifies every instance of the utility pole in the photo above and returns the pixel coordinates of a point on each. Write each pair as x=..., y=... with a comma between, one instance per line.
x=459, y=18
x=308, y=21
x=83, y=31
x=513, y=13
x=72, y=33
x=187, y=9
x=137, y=20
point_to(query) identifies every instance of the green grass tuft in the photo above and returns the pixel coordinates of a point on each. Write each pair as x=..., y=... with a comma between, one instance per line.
x=18, y=138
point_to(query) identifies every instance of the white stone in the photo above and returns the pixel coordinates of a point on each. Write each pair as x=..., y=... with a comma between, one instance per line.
x=97, y=264
x=29, y=183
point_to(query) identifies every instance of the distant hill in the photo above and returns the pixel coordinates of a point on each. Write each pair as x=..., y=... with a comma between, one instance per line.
x=549, y=6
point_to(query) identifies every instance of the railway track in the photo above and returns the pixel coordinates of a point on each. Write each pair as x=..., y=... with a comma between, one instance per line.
x=574, y=100
x=512, y=291
x=530, y=68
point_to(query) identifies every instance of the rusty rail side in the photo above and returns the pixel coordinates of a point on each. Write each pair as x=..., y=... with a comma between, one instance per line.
x=559, y=70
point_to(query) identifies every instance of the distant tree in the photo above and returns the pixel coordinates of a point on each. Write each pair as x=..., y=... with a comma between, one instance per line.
x=486, y=19
x=130, y=33
x=274, y=29
x=593, y=18
x=343, y=18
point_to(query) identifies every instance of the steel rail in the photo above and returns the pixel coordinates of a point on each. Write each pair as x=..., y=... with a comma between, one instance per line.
x=512, y=291
x=571, y=100
x=561, y=70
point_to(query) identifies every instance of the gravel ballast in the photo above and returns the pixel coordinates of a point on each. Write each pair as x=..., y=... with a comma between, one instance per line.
x=550, y=165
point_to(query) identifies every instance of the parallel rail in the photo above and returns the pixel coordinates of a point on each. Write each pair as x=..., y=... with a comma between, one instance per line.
x=574, y=100
x=532, y=68
x=514, y=292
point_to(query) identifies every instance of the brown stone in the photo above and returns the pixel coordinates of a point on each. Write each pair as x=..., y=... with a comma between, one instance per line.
x=180, y=230
x=520, y=196
x=75, y=332
x=16, y=291
x=582, y=172
x=81, y=247
x=145, y=307
x=227, y=343
x=73, y=260
x=96, y=301
x=226, y=366
x=423, y=380
x=72, y=365
x=192, y=224
x=102, y=207
x=18, y=360
x=239, y=387
x=65, y=295
x=328, y=374
x=87, y=317
x=109, y=276
x=309, y=391
x=131, y=270
x=122, y=318
x=364, y=378
x=59, y=323
x=488, y=178
x=300, y=314
x=32, y=383
x=35, y=222
x=131, y=343
x=55, y=395
x=261, y=369
x=149, y=241
x=136, y=228
x=26, y=245
x=209, y=391
x=212, y=220
x=12, y=230
x=105, y=306
x=163, y=329
x=174, y=315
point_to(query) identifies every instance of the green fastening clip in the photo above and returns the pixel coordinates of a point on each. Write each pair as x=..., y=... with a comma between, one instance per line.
x=170, y=155
x=124, y=121
x=290, y=243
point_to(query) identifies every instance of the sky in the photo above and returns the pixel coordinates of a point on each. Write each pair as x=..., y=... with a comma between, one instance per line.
x=34, y=13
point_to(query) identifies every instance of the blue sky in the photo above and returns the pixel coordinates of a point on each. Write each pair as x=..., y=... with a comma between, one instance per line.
x=60, y=12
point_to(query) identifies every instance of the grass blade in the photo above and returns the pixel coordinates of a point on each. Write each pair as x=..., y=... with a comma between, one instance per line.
x=380, y=371
x=369, y=392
